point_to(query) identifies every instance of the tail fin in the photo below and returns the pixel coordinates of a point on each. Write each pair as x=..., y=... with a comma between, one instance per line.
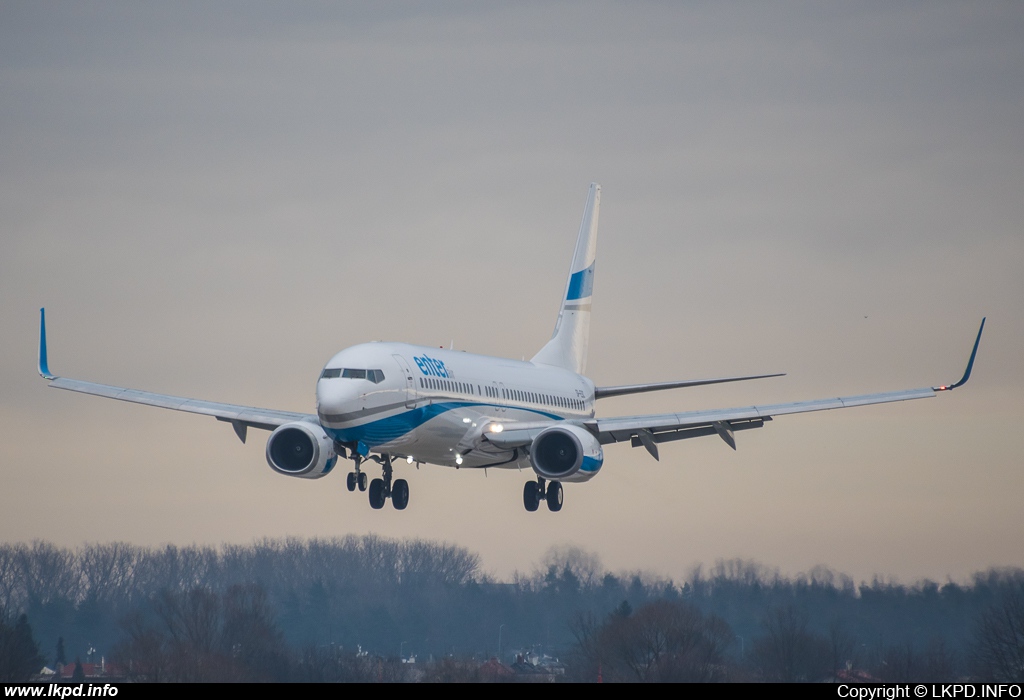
x=568, y=345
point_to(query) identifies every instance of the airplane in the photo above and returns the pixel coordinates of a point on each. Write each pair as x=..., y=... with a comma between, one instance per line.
x=384, y=402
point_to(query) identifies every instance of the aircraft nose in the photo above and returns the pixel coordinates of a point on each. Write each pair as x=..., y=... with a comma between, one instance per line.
x=335, y=396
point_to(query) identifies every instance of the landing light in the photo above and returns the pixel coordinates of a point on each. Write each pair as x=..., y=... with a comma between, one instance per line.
x=497, y=427
x=409, y=459
x=458, y=459
x=467, y=420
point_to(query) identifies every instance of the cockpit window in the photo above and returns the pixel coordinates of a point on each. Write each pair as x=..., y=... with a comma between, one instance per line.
x=374, y=375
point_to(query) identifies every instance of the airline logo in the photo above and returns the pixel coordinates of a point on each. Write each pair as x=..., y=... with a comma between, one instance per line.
x=431, y=367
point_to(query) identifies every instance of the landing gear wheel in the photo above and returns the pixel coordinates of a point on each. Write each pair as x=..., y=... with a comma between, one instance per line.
x=554, y=496
x=362, y=481
x=400, y=494
x=531, y=496
x=350, y=481
x=377, y=495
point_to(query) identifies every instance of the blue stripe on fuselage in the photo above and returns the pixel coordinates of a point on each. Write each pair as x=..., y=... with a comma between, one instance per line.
x=395, y=426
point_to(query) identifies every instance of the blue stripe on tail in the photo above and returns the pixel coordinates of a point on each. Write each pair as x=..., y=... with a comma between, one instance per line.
x=581, y=284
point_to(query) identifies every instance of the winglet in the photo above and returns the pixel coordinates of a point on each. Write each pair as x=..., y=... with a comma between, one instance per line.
x=970, y=363
x=44, y=367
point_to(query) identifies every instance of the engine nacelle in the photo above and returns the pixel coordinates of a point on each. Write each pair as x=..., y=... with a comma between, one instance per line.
x=301, y=449
x=566, y=453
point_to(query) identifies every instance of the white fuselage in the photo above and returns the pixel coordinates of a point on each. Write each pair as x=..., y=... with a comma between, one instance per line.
x=433, y=405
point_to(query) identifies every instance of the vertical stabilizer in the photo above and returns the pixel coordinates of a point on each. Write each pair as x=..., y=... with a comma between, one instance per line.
x=568, y=345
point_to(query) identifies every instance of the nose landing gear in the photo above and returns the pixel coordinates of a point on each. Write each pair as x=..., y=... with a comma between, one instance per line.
x=535, y=491
x=357, y=478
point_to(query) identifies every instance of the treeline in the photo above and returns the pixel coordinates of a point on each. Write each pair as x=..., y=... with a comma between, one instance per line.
x=319, y=609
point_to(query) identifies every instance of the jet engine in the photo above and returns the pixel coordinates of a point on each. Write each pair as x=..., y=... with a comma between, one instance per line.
x=301, y=449
x=566, y=453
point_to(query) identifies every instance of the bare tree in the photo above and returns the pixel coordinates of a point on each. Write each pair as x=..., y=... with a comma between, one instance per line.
x=841, y=645
x=899, y=665
x=788, y=652
x=663, y=641
x=144, y=650
x=192, y=621
x=250, y=634
x=49, y=573
x=11, y=589
x=998, y=649
x=940, y=664
x=586, y=657
x=108, y=571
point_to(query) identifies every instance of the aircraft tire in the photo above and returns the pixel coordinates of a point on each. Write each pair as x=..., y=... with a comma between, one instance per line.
x=362, y=481
x=400, y=494
x=531, y=497
x=377, y=497
x=350, y=481
x=554, y=496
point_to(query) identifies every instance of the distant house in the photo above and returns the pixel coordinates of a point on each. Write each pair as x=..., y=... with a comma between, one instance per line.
x=855, y=675
x=532, y=668
x=493, y=671
x=108, y=673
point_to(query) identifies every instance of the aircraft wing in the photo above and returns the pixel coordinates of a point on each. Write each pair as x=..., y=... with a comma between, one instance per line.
x=240, y=417
x=650, y=430
x=603, y=392
x=653, y=429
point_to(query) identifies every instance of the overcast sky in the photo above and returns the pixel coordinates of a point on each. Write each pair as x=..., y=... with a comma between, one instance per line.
x=212, y=199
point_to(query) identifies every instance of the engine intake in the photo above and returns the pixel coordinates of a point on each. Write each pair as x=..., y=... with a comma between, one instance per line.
x=301, y=449
x=566, y=453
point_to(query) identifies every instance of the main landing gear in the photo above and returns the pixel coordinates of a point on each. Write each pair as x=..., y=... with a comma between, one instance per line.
x=383, y=489
x=380, y=489
x=534, y=492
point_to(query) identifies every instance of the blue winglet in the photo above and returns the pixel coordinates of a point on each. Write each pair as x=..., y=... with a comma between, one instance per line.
x=44, y=367
x=970, y=363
